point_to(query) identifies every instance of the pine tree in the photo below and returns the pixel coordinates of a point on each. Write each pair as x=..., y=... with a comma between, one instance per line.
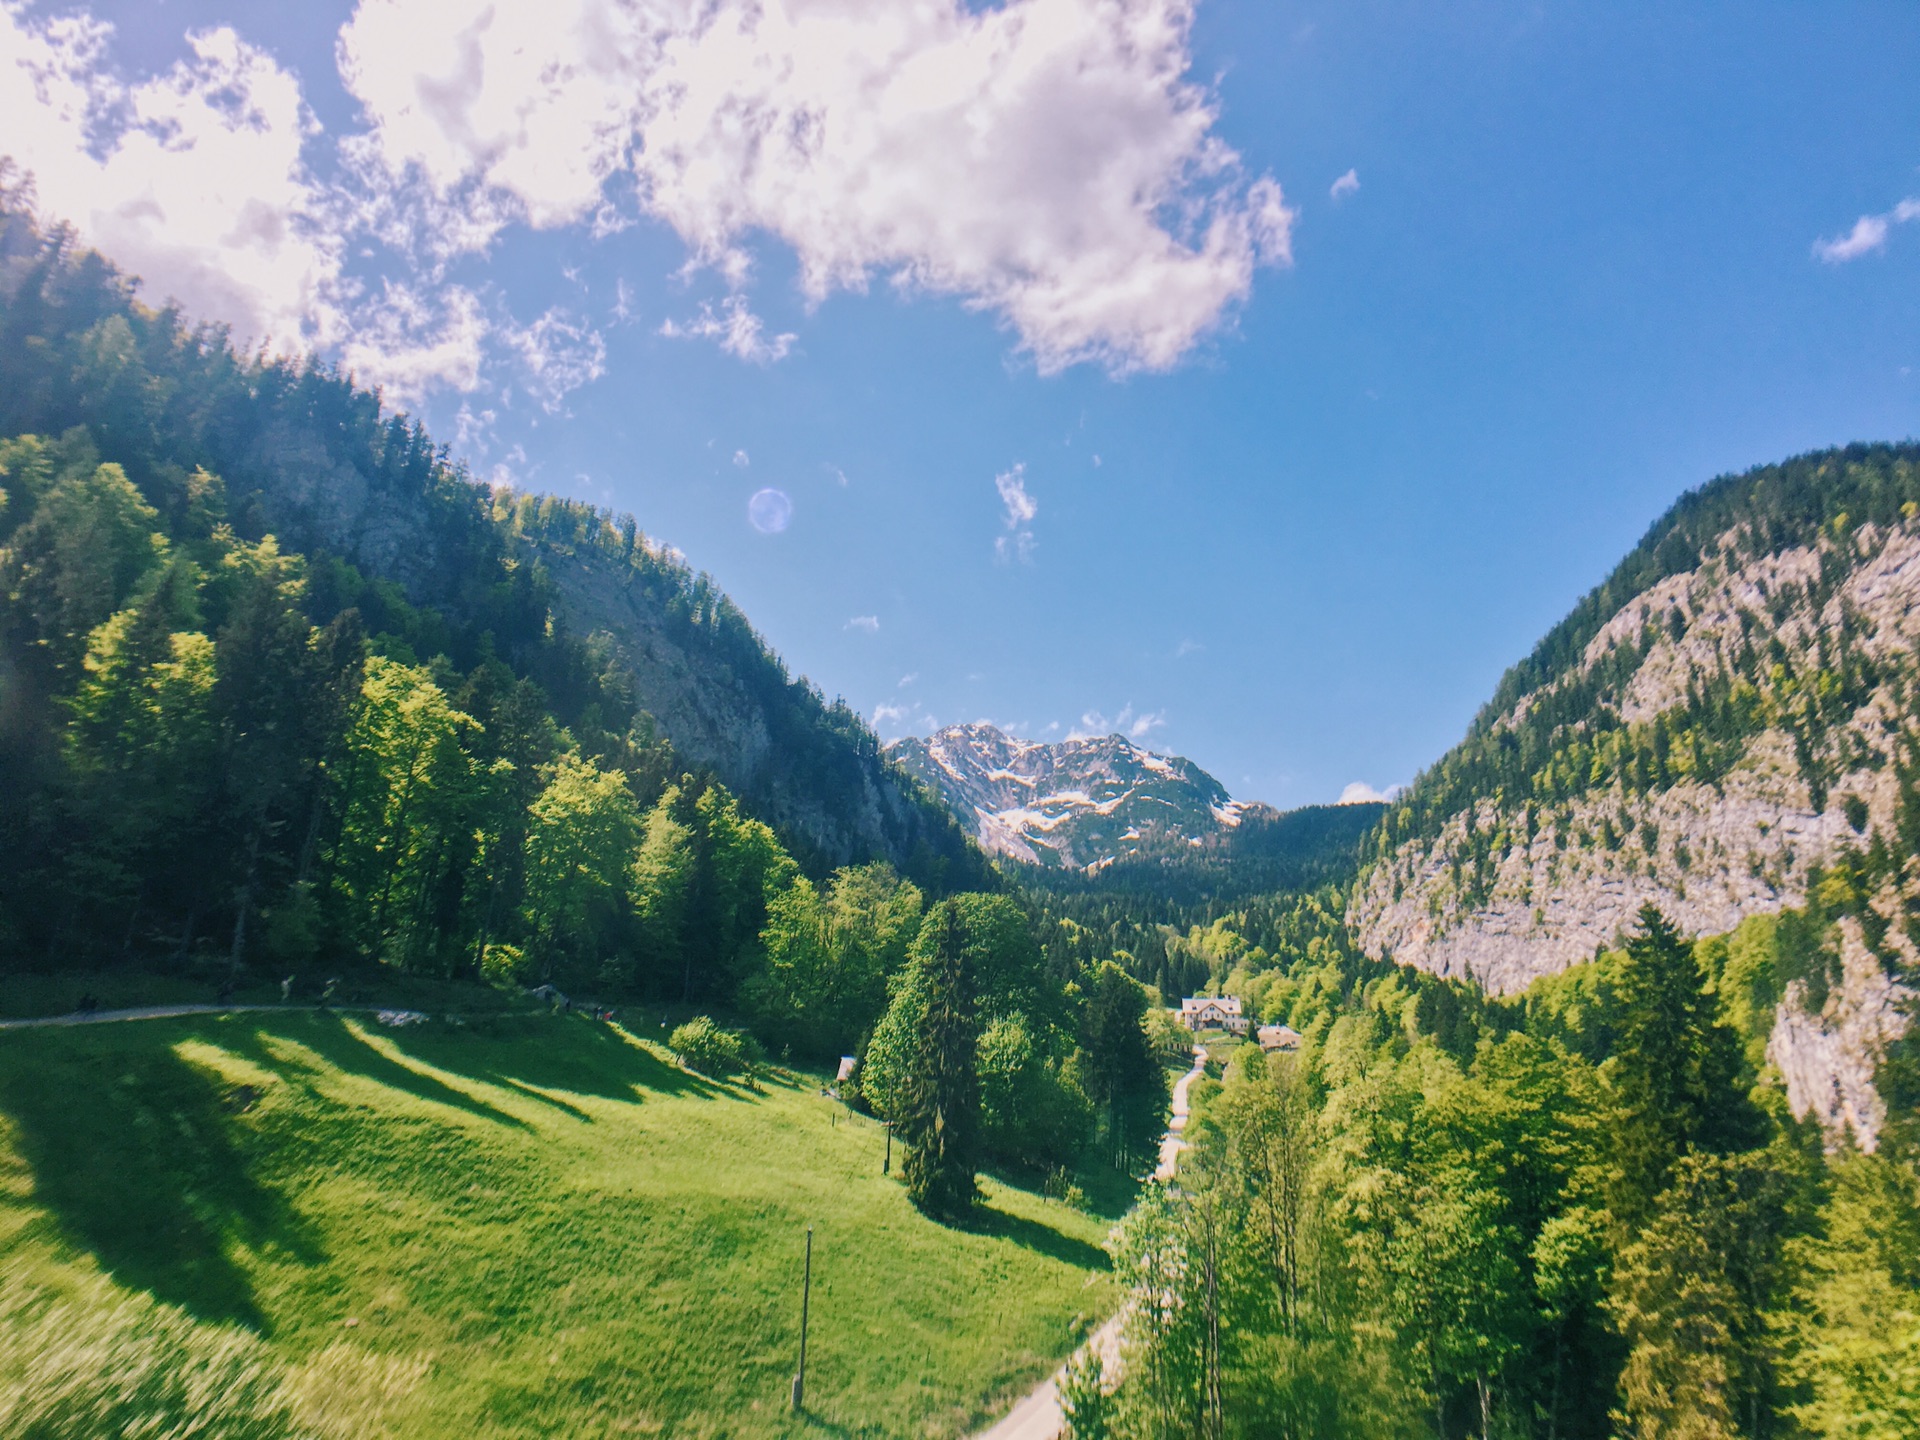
x=1122, y=1076
x=940, y=1106
x=1676, y=1068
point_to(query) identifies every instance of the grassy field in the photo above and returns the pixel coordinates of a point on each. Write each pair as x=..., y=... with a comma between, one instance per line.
x=517, y=1226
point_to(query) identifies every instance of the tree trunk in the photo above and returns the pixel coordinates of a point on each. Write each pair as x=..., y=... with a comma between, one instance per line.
x=133, y=919
x=243, y=901
x=1553, y=1395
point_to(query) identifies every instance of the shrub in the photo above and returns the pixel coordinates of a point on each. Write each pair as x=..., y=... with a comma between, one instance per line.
x=503, y=965
x=712, y=1049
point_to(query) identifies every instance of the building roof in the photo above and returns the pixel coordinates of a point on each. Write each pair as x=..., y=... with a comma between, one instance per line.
x=1225, y=1004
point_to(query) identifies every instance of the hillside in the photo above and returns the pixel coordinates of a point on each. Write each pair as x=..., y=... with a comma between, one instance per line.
x=578, y=599
x=1725, y=727
x=1071, y=804
x=514, y=1226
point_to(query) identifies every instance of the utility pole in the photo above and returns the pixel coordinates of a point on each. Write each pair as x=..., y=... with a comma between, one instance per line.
x=806, y=1296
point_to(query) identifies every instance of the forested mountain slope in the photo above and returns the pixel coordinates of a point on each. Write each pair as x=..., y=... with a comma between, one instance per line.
x=1725, y=727
x=573, y=597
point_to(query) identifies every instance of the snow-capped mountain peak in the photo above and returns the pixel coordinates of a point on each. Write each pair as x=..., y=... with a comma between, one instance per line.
x=1071, y=803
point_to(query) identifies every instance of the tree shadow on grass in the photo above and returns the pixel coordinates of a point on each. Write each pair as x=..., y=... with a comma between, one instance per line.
x=342, y=1042
x=136, y=1157
x=1110, y=1193
x=1042, y=1239
x=566, y=1053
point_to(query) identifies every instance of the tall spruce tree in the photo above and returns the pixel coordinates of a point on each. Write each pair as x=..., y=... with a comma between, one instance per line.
x=940, y=1107
x=1676, y=1068
x=1122, y=1076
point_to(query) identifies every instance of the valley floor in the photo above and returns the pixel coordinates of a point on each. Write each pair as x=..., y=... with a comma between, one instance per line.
x=520, y=1226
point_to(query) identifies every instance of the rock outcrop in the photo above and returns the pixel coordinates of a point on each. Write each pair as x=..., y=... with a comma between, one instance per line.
x=1071, y=804
x=1712, y=742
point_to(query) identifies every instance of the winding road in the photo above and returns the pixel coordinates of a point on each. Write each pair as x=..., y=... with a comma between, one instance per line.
x=1038, y=1415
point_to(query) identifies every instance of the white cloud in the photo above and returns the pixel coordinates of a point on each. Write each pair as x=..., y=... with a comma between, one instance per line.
x=1146, y=723
x=907, y=679
x=1186, y=648
x=557, y=356
x=1095, y=724
x=473, y=427
x=1021, y=507
x=193, y=179
x=870, y=624
x=1020, y=510
x=736, y=329
x=1047, y=160
x=741, y=459
x=534, y=103
x=1346, y=185
x=1868, y=235
x=1361, y=793
x=408, y=344
x=891, y=714
x=196, y=180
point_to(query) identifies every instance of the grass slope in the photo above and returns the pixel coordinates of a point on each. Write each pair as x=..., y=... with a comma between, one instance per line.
x=521, y=1226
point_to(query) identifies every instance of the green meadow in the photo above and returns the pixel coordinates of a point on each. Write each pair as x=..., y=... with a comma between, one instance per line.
x=519, y=1225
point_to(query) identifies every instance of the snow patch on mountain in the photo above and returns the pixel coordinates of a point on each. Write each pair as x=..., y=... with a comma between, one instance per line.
x=1077, y=804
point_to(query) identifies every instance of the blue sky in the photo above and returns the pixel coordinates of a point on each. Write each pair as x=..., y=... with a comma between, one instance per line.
x=1277, y=472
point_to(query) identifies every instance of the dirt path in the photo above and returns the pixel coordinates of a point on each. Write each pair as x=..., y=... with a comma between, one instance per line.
x=139, y=1012
x=1038, y=1415
x=1175, y=1141
x=164, y=1012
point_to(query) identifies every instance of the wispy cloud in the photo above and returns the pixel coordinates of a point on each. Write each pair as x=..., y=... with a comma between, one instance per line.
x=867, y=624
x=1346, y=185
x=735, y=329
x=1869, y=234
x=1095, y=724
x=741, y=459
x=557, y=356
x=1186, y=648
x=414, y=342
x=1020, y=508
x=907, y=679
x=904, y=716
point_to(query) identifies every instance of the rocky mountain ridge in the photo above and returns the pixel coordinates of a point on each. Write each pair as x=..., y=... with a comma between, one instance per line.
x=1723, y=727
x=1069, y=804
